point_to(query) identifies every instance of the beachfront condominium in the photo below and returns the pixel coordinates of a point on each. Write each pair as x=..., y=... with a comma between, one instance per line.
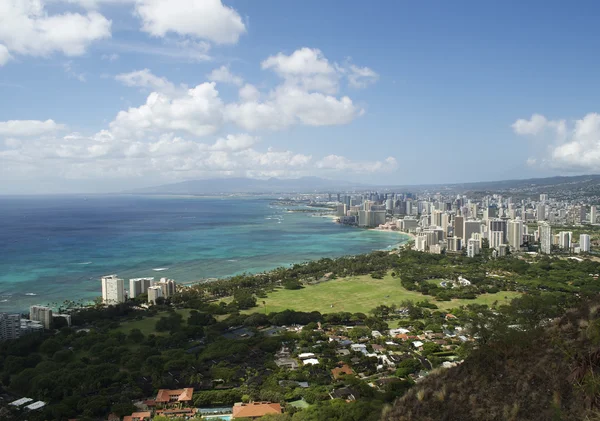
x=139, y=286
x=154, y=293
x=168, y=287
x=113, y=289
x=10, y=326
x=41, y=314
x=545, y=238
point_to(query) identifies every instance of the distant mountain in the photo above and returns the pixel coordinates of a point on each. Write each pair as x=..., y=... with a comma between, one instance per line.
x=248, y=185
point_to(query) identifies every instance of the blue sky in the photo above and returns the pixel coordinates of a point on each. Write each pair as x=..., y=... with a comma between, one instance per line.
x=392, y=93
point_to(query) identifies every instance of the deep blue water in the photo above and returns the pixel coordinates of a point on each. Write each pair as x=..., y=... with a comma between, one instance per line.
x=58, y=247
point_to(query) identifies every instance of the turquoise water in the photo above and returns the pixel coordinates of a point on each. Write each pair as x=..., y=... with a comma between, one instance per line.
x=58, y=247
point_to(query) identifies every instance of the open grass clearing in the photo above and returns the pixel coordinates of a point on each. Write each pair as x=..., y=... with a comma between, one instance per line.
x=359, y=294
x=147, y=324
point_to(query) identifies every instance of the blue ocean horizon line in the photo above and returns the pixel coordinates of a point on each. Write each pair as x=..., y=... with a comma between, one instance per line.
x=59, y=247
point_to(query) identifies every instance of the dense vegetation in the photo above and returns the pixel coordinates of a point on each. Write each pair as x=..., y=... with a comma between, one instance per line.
x=527, y=365
x=96, y=367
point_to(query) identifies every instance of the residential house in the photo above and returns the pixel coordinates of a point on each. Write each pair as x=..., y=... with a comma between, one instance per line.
x=345, y=393
x=340, y=372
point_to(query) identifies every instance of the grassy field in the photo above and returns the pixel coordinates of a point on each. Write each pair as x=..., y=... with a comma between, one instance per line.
x=359, y=294
x=147, y=324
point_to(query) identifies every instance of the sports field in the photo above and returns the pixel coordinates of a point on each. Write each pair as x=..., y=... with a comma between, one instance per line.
x=359, y=294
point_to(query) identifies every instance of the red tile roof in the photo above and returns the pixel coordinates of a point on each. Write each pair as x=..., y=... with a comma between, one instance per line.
x=178, y=395
x=255, y=409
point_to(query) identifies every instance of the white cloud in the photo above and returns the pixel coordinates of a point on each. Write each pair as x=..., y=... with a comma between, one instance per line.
x=340, y=163
x=289, y=105
x=26, y=28
x=198, y=112
x=361, y=77
x=537, y=124
x=207, y=19
x=107, y=156
x=222, y=74
x=571, y=147
x=28, y=127
x=145, y=79
x=306, y=68
x=4, y=55
x=249, y=93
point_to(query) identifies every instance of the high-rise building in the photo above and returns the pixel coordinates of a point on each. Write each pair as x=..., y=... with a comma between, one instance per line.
x=545, y=238
x=472, y=247
x=459, y=228
x=139, y=286
x=113, y=289
x=470, y=228
x=154, y=293
x=543, y=197
x=168, y=287
x=341, y=209
x=541, y=212
x=499, y=225
x=584, y=243
x=41, y=314
x=436, y=218
x=515, y=234
x=10, y=326
x=496, y=238
x=564, y=240
x=593, y=214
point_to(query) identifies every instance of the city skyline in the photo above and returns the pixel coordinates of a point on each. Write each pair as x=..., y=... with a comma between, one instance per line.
x=136, y=97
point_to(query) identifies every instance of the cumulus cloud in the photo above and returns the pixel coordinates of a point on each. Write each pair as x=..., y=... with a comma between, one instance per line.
x=306, y=68
x=207, y=19
x=4, y=55
x=249, y=93
x=573, y=146
x=145, y=79
x=28, y=127
x=105, y=155
x=26, y=28
x=537, y=124
x=222, y=74
x=198, y=112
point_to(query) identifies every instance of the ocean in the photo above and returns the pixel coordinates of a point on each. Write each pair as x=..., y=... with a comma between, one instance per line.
x=54, y=248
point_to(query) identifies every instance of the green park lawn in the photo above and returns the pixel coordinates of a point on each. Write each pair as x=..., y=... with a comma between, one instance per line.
x=359, y=294
x=147, y=324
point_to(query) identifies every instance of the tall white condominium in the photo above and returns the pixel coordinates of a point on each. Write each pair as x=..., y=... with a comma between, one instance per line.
x=472, y=247
x=470, y=228
x=564, y=240
x=168, y=287
x=584, y=243
x=515, y=234
x=154, y=293
x=543, y=197
x=545, y=238
x=113, y=289
x=41, y=314
x=496, y=239
x=593, y=214
x=541, y=212
x=139, y=286
x=10, y=326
